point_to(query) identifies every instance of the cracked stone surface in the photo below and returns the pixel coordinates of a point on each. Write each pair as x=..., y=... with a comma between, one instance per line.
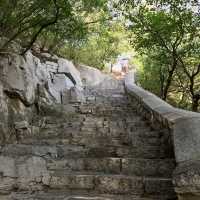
x=103, y=150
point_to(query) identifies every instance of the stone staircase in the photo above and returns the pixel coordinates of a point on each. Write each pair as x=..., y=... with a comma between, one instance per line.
x=105, y=151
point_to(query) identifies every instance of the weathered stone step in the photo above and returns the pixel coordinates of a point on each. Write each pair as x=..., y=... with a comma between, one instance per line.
x=108, y=102
x=116, y=100
x=126, y=166
x=132, y=152
x=56, y=120
x=72, y=151
x=92, y=121
x=106, y=94
x=88, y=183
x=148, y=167
x=144, y=133
x=106, y=113
x=93, y=139
x=112, y=134
x=81, y=140
x=58, y=195
x=98, y=125
x=100, y=128
x=111, y=184
x=108, y=110
x=85, y=126
x=109, y=165
x=36, y=173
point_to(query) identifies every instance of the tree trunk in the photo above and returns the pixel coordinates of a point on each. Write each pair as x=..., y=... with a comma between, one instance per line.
x=195, y=103
x=170, y=75
x=162, y=81
x=168, y=84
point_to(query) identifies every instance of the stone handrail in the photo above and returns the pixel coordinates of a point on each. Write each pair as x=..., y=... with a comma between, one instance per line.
x=184, y=127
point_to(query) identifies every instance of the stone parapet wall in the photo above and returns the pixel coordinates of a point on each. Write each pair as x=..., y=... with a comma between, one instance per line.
x=184, y=127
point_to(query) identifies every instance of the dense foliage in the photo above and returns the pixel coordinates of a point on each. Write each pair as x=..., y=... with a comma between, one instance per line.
x=166, y=35
x=105, y=42
x=81, y=30
x=54, y=21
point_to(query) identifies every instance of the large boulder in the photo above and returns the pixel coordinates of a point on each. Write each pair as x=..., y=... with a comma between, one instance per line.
x=41, y=71
x=90, y=76
x=77, y=95
x=59, y=84
x=67, y=67
x=17, y=77
x=21, y=77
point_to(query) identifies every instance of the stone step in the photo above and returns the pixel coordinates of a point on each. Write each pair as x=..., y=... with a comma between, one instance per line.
x=106, y=113
x=87, y=140
x=55, y=122
x=103, y=110
x=104, y=129
x=98, y=125
x=36, y=174
x=75, y=151
x=33, y=176
x=58, y=195
x=93, y=140
x=111, y=184
x=126, y=166
x=102, y=151
x=106, y=101
x=93, y=135
x=109, y=94
x=148, y=167
x=91, y=121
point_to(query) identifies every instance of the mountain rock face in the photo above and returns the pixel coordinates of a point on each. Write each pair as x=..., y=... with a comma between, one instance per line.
x=33, y=85
x=90, y=76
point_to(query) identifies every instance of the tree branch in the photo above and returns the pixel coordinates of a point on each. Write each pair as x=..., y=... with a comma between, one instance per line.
x=43, y=27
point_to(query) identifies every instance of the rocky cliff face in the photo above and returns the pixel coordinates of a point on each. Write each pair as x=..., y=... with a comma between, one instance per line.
x=32, y=85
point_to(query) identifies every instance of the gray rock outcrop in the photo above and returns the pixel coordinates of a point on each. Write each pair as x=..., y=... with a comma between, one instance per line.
x=30, y=83
x=90, y=76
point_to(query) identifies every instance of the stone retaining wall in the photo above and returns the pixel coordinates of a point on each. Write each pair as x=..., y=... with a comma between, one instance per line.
x=184, y=127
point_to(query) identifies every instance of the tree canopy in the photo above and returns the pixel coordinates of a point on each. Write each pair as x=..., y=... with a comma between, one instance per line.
x=56, y=20
x=167, y=32
x=164, y=34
